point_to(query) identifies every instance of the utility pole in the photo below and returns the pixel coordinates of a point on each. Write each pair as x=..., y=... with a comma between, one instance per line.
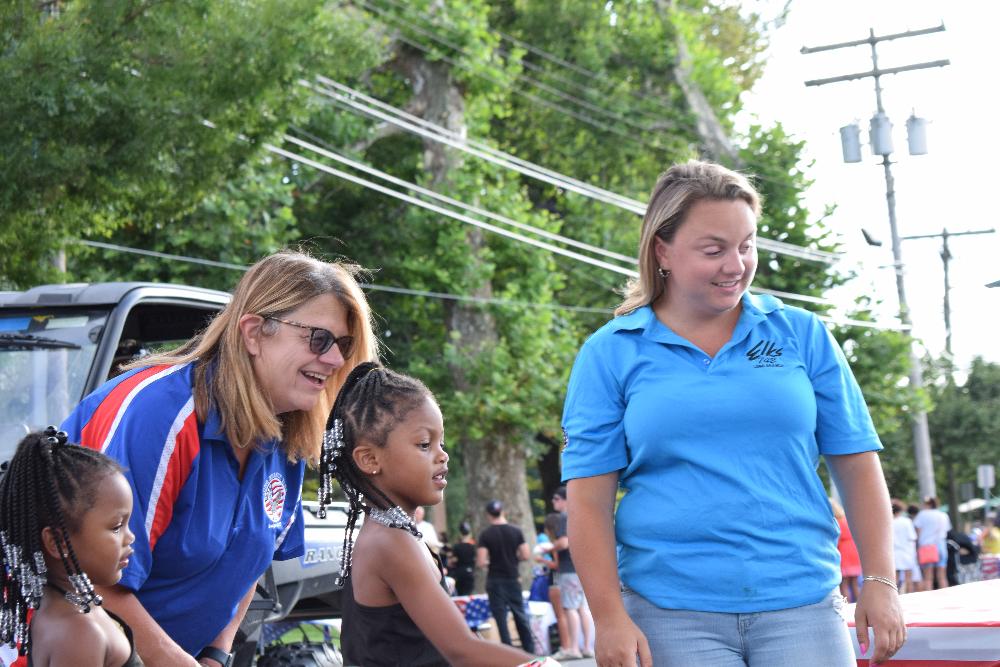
x=881, y=139
x=944, y=235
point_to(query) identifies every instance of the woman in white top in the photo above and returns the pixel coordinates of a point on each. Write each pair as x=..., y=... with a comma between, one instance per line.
x=904, y=545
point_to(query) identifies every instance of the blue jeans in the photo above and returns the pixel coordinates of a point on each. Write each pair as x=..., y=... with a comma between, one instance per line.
x=812, y=635
x=506, y=594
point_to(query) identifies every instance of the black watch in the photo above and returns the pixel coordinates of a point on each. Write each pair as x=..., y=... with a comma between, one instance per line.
x=217, y=654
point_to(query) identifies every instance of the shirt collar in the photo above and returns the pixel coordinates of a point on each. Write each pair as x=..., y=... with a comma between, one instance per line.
x=756, y=307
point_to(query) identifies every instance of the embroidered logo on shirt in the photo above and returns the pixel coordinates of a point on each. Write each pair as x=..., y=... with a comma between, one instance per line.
x=274, y=497
x=765, y=354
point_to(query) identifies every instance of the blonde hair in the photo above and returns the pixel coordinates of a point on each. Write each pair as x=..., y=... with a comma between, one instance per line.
x=224, y=378
x=676, y=191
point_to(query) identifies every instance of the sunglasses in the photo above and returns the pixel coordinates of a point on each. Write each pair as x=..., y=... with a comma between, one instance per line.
x=320, y=340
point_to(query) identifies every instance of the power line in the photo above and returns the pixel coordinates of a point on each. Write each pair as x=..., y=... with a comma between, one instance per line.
x=573, y=255
x=355, y=99
x=369, y=286
x=583, y=118
x=436, y=37
x=447, y=212
x=556, y=60
x=456, y=203
x=413, y=292
x=418, y=202
x=366, y=105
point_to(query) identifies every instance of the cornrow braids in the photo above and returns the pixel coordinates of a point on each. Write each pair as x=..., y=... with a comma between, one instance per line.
x=372, y=402
x=48, y=483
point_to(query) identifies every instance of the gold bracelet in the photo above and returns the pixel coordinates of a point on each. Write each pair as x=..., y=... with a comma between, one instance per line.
x=882, y=580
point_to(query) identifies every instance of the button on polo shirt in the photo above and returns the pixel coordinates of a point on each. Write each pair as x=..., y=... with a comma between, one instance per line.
x=723, y=509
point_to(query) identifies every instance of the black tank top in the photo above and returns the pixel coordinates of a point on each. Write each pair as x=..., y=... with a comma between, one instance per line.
x=384, y=636
x=133, y=658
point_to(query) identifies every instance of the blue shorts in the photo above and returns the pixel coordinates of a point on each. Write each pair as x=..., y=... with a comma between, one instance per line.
x=815, y=634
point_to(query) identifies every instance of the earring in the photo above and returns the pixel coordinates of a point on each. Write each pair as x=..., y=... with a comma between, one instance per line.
x=663, y=273
x=375, y=471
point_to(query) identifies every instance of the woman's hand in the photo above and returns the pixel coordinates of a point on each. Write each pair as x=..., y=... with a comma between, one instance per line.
x=617, y=644
x=878, y=608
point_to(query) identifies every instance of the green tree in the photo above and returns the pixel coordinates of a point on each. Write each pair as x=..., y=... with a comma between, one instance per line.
x=123, y=112
x=965, y=426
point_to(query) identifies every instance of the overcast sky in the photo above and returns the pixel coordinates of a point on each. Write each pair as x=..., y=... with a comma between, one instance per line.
x=952, y=186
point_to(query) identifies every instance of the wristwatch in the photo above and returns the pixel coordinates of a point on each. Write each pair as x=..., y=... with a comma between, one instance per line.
x=217, y=654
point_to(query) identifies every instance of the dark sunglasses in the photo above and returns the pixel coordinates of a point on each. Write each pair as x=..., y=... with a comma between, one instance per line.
x=320, y=340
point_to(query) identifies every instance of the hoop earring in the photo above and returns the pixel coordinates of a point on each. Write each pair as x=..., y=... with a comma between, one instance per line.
x=663, y=273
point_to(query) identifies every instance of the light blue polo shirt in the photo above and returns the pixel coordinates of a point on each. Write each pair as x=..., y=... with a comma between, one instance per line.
x=723, y=508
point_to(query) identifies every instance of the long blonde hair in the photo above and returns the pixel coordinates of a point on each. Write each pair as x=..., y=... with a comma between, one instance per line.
x=224, y=378
x=676, y=191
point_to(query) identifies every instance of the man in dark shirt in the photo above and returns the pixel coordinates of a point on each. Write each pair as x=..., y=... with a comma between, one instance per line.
x=501, y=546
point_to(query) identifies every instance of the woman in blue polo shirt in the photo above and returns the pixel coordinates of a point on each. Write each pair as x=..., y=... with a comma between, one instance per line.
x=214, y=438
x=710, y=408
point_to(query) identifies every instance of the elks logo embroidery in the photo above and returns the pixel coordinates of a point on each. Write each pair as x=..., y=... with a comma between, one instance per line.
x=274, y=497
x=765, y=354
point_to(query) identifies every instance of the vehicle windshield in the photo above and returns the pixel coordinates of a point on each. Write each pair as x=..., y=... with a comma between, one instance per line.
x=45, y=358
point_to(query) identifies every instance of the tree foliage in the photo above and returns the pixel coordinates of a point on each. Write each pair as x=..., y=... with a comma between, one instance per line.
x=132, y=112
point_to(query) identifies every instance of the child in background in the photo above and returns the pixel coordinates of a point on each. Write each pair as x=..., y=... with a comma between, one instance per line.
x=64, y=514
x=385, y=447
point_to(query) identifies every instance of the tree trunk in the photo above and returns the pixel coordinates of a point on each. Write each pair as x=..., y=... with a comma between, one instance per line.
x=494, y=465
x=715, y=143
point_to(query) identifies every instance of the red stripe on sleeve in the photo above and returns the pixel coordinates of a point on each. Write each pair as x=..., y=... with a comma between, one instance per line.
x=99, y=425
x=186, y=449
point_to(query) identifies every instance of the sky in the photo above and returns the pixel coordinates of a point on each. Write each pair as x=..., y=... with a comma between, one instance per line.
x=949, y=187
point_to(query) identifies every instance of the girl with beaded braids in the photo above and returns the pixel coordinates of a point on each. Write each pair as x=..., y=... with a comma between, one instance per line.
x=214, y=437
x=385, y=447
x=64, y=514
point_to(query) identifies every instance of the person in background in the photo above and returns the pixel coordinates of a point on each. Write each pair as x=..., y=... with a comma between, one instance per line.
x=579, y=622
x=710, y=408
x=904, y=546
x=463, y=561
x=932, y=550
x=990, y=539
x=501, y=547
x=553, y=522
x=916, y=574
x=850, y=561
x=427, y=529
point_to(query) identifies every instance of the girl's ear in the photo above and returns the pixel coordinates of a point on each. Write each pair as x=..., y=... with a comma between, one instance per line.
x=367, y=458
x=49, y=543
x=251, y=329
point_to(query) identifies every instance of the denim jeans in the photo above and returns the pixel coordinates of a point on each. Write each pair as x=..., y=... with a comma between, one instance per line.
x=812, y=635
x=506, y=594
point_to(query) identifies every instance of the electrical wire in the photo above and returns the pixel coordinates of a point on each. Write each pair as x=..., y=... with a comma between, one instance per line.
x=437, y=295
x=369, y=286
x=360, y=166
x=353, y=99
x=590, y=106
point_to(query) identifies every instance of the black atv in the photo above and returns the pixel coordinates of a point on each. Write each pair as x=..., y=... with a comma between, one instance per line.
x=60, y=342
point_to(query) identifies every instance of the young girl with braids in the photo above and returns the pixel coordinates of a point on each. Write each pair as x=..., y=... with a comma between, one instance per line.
x=64, y=514
x=385, y=447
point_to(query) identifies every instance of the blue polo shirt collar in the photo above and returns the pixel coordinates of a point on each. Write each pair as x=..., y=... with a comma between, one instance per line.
x=756, y=307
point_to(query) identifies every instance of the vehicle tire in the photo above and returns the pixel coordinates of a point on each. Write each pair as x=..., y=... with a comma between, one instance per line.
x=300, y=654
